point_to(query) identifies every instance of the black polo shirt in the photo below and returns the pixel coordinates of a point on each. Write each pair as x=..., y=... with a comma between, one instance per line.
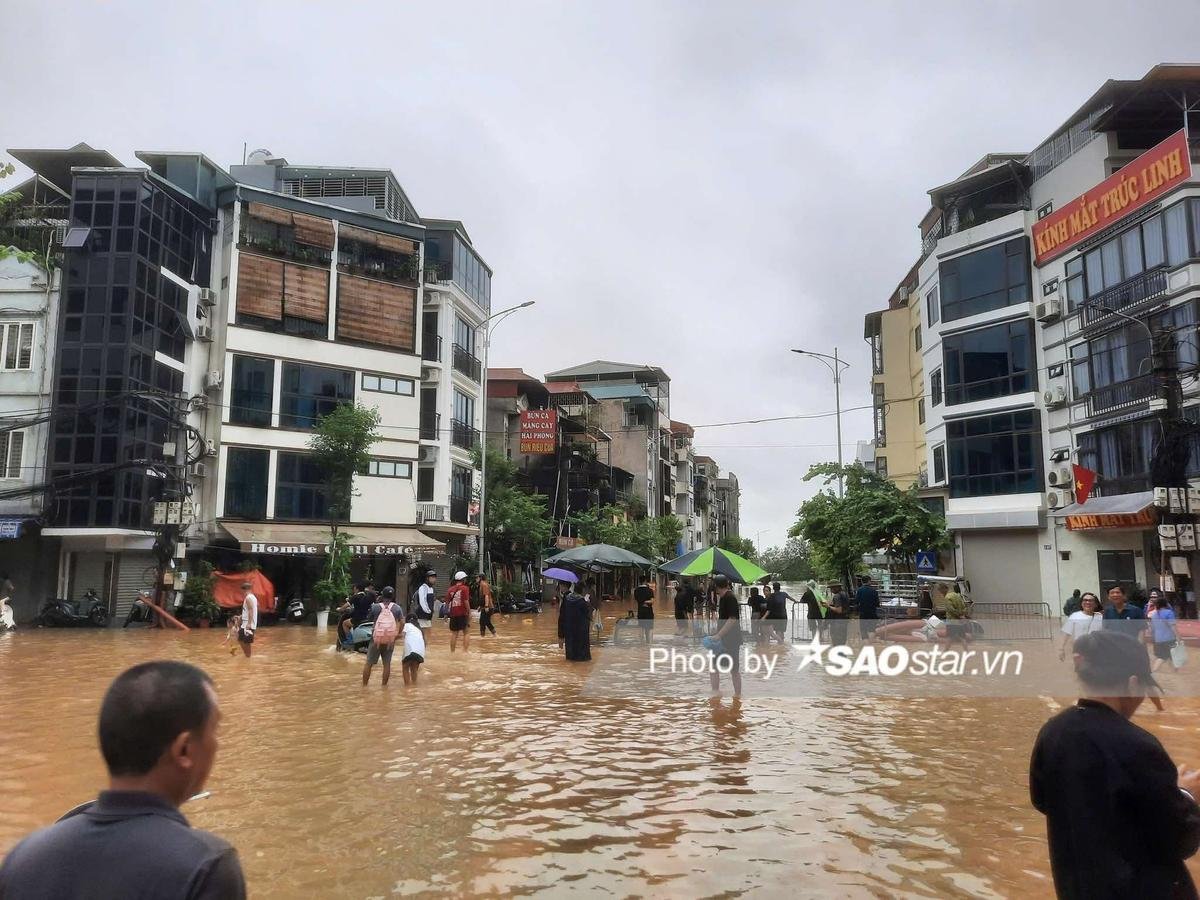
x=125, y=844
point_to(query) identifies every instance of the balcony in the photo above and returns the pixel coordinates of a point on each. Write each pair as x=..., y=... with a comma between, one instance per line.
x=460, y=510
x=464, y=435
x=467, y=363
x=431, y=426
x=255, y=240
x=432, y=512
x=1133, y=293
x=1123, y=393
x=431, y=347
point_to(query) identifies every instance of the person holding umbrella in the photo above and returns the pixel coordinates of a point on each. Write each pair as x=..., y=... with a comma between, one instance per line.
x=574, y=624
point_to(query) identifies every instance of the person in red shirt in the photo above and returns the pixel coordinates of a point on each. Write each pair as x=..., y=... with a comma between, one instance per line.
x=458, y=598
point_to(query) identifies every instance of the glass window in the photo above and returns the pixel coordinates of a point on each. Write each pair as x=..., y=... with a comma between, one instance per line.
x=425, y=483
x=464, y=408
x=935, y=387
x=1131, y=252
x=997, y=454
x=990, y=362
x=939, y=464
x=1152, y=242
x=464, y=335
x=917, y=337
x=300, y=491
x=309, y=392
x=460, y=483
x=389, y=468
x=921, y=410
x=17, y=353
x=388, y=384
x=252, y=391
x=1081, y=380
x=1110, y=253
x=1121, y=455
x=1175, y=220
x=933, y=309
x=991, y=278
x=246, y=483
x=1076, y=290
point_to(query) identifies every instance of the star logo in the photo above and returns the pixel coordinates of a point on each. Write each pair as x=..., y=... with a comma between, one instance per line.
x=814, y=651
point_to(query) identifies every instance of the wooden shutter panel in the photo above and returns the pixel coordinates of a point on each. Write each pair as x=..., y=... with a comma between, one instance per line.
x=313, y=231
x=306, y=292
x=378, y=239
x=376, y=312
x=260, y=286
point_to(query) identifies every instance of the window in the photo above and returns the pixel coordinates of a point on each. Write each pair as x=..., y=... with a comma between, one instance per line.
x=464, y=335
x=252, y=391
x=1081, y=378
x=389, y=384
x=879, y=411
x=991, y=278
x=12, y=447
x=389, y=468
x=921, y=411
x=881, y=466
x=300, y=491
x=18, y=346
x=464, y=408
x=1121, y=455
x=425, y=483
x=990, y=362
x=939, y=463
x=1076, y=291
x=997, y=454
x=309, y=392
x=933, y=310
x=917, y=338
x=1124, y=355
x=460, y=494
x=246, y=483
x=935, y=387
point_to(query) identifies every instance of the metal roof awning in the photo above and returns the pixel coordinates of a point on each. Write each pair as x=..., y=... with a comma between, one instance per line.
x=1116, y=505
x=295, y=539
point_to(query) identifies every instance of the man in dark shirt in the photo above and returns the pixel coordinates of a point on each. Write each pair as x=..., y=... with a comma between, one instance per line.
x=158, y=735
x=1123, y=616
x=866, y=598
x=777, y=612
x=685, y=604
x=644, y=597
x=729, y=633
x=1097, y=777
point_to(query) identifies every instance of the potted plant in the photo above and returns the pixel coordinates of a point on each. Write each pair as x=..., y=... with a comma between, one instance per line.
x=198, y=607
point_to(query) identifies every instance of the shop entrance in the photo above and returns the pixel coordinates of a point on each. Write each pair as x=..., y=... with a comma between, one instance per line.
x=1116, y=567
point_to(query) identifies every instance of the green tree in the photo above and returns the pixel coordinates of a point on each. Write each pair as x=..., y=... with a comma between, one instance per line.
x=743, y=547
x=791, y=562
x=33, y=240
x=341, y=446
x=874, y=516
x=517, y=523
x=649, y=537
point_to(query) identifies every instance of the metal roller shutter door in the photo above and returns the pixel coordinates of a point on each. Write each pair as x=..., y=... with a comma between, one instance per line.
x=135, y=572
x=1002, y=566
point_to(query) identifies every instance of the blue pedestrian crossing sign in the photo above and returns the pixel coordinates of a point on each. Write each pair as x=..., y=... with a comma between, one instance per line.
x=927, y=562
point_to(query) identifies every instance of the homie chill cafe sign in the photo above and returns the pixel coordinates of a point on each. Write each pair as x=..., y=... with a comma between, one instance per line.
x=1158, y=170
x=303, y=549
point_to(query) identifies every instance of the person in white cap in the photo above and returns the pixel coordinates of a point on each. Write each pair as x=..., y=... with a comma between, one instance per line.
x=458, y=598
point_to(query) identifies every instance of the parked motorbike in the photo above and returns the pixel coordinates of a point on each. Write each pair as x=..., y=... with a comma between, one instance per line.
x=526, y=604
x=60, y=612
x=295, y=611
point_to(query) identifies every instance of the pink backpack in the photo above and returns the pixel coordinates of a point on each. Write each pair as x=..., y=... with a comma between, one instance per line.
x=385, y=631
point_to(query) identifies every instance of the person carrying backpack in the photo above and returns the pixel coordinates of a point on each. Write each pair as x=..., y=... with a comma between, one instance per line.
x=388, y=618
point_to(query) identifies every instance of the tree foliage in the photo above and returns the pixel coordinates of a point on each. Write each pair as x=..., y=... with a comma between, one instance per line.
x=791, y=562
x=743, y=547
x=874, y=516
x=33, y=241
x=517, y=524
x=652, y=538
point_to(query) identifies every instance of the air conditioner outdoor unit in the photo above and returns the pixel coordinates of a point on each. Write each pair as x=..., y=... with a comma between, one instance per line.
x=199, y=470
x=1049, y=310
x=207, y=297
x=1061, y=477
x=420, y=517
x=1057, y=499
x=1055, y=396
x=204, y=333
x=428, y=455
x=213, y=380
x=210, y=448
x=428, y=373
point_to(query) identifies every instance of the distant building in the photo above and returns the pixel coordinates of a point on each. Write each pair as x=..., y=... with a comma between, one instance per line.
x=684, y=458
x=729, y=515
x=708, y=528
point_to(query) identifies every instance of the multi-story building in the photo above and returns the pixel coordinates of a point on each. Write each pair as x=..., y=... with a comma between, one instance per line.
x=1041, y=275
x=729, y=515
x=708, y=530
x=684, y=457
x=209, y=319
x=635, y=411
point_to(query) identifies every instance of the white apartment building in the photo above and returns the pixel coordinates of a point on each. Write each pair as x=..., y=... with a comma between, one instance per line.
x=1030, y=362
x=684, y=458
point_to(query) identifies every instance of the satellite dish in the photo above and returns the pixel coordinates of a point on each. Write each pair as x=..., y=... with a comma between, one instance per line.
x=258, y=157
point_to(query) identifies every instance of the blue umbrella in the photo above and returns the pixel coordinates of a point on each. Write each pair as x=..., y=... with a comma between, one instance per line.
x=561, y=575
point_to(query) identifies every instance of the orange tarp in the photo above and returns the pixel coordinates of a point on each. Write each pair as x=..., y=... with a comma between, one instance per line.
x=227, y=590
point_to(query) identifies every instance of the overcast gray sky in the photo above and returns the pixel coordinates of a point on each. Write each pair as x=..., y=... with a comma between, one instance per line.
x=695, y=185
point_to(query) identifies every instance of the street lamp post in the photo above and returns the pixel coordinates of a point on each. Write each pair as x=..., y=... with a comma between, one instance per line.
x=835, y=365
x=494, y=319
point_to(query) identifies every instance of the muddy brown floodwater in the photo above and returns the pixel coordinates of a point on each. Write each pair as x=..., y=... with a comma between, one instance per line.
x=498, y=775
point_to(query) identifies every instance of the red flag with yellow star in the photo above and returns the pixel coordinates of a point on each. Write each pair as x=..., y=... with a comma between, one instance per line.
x=1085, y=480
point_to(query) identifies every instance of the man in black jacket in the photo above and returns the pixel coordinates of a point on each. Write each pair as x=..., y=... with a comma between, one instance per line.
x=1121, y=819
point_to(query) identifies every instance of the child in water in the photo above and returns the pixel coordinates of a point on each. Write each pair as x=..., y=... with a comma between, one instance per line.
x=235, y=622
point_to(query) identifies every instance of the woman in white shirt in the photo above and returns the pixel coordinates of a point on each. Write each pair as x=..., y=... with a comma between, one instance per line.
x=1082, y=621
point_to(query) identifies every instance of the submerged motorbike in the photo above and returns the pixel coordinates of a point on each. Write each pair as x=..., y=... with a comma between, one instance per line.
x=60, y=612
x=295, y=611
x=527, y=604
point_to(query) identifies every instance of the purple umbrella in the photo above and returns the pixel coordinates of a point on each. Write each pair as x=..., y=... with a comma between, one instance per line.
x=561, y=575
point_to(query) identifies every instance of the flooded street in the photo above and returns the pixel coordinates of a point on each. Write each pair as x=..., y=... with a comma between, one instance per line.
x=498, y=775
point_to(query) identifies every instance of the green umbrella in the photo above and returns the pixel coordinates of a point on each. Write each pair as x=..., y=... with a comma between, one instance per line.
x=715, y=561
x=587, y=555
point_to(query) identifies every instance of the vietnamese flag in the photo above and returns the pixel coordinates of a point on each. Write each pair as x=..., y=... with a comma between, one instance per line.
x=1085, y=480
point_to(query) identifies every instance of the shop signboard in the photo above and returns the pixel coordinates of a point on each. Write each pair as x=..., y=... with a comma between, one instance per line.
x=539, y=431
x=301, y=548
x=1144, y=519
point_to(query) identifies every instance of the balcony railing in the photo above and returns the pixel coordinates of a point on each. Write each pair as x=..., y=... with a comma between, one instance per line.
x=431, y=347
x=432, y=512
x=288, y=249
x=431, y=426
x=464, y=435
x=466, y=362
x=460, y=510
x=1132, y=292
x=1123, y=393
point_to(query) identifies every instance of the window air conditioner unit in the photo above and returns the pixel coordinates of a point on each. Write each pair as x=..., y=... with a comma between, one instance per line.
x=1050, y=309
x=428, y=454
x=1055, y=396
x=213, y=380
x=207, y=297
x=199, y=470
x=1057, y=499
x=1061, y=477
x=204, y=333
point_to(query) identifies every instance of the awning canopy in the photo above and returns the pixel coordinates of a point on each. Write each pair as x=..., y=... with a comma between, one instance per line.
x=1117, y=511
x=294, y=539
